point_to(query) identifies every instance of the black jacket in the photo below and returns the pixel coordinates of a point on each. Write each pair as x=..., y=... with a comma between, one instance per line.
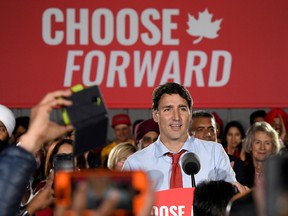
x=16, y=167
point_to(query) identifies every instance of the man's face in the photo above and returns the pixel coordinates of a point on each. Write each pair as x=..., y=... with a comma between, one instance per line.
x=204, y=128
x=3, y=132
x=122, y=132
x=173, y=117
x=148, y=138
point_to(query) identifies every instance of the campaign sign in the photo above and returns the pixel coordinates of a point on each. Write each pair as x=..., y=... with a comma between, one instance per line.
x=229, y=54
x=174, y=202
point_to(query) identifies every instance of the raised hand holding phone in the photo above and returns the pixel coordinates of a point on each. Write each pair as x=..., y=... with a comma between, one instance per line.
x=88, y=115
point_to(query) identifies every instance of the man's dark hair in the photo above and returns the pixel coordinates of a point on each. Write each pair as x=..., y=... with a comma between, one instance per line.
x=202, y=114
x=236, y=124
x=255, y=114
x=170, y=88
x=22, y=121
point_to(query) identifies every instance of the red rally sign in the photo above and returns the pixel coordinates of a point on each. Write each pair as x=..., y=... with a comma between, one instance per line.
x=227, y=53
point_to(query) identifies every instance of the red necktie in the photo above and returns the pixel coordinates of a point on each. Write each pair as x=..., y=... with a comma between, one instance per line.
x=176, y=175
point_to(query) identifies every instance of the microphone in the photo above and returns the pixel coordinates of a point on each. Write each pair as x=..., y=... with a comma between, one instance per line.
x=191, y=165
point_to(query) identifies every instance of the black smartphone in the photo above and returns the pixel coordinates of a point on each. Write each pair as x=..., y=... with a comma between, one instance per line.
x=89, y=117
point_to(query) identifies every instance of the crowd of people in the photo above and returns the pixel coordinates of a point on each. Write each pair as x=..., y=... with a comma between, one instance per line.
x=233, y=160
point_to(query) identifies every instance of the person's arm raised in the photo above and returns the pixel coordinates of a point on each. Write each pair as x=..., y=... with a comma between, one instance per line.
x=41, y=128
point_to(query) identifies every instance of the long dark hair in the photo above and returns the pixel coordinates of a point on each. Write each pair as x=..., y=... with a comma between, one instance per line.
x=236, y=124
x=54, y=148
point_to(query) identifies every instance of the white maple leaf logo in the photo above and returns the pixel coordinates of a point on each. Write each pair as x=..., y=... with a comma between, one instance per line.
x=203, y=27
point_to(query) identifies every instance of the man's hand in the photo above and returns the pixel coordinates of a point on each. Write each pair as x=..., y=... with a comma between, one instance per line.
x=41, y=129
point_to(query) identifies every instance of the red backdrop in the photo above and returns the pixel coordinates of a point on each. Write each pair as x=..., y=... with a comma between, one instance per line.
x=227, y=53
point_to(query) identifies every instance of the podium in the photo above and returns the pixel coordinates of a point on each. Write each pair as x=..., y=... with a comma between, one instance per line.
x=174, y=202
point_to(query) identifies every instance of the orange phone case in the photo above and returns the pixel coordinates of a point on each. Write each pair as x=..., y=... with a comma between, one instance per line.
x=63, y=188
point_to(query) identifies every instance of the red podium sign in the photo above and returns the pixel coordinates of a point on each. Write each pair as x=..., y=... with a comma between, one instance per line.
x=174, y=202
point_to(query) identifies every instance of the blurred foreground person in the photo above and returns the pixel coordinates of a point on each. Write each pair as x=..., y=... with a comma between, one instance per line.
x=17, y=162
x=212, y=197
x=243, y=205
x=269, y=197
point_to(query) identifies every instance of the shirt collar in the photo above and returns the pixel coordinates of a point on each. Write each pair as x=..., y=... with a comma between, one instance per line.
x=161, y=149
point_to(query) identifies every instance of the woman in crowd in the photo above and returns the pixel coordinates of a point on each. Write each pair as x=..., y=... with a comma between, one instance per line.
x=278, y=119
x=261, y=142
x=119, y=154
x=63, y=147
x=233, y=135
